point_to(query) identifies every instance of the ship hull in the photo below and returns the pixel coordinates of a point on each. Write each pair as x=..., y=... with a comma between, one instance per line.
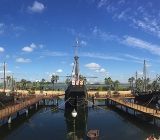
x=4, y=98
x=76, y=96
x=144, y=97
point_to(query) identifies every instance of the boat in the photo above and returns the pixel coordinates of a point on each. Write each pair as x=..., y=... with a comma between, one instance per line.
x=76, y=94
x=6, y=98
x=141, y=94
x=93, y=134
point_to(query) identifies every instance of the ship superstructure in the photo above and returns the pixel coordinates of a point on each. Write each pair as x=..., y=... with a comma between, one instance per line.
x=76, y=93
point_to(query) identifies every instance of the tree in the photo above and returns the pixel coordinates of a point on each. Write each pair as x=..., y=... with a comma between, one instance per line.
x=108, y=81
x=24, y=83
x=130, y=80
x=54, y=79
x=139, y=83
x=67, y=81
x=42, y=83
x=116, y=85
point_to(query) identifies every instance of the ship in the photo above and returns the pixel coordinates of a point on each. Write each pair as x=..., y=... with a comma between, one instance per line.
x=4, y=98
x=76, y=94
x=147, y=96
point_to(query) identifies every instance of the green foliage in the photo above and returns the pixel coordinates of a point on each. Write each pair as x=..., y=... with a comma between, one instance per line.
x=60, y=89
x=70, y=135
x=97, y=94
x=101, y=88
x=116, y=93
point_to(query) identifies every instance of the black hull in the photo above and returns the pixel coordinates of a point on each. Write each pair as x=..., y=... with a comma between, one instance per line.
x=143, y=97
x=5, y=99
x=76, y=96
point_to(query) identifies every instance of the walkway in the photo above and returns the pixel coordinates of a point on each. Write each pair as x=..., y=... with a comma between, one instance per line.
x=10, y=110
x=136, y=107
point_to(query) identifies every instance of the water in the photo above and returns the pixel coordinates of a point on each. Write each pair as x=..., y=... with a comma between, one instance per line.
x=48, y=123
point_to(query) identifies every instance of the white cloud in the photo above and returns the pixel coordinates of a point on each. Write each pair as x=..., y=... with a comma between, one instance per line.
x=135, y=42
x=33, y=45
x=72, y=64
x=41, y=46
x=92, y=66
x=41, y=57
x=1, y=49
x=30, y=48
x=102, y=3
x=17, y=28
x=21, y=60
x=103, y=35
x=27, y=49
x=101, y=70
x=83, y=43
x=101, y=56
x=59, y=71
x=55, y=53
x=36, y=8
x=17, y=67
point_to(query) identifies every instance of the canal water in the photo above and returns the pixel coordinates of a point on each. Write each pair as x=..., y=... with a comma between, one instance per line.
x=50, y=123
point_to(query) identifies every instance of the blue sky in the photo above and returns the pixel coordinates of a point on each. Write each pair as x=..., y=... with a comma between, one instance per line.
x=115, y=37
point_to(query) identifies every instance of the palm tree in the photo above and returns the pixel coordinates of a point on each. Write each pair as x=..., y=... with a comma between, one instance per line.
x=24, y=83
x=146, y=82
x=130, y=82
x=139, y=83
x=42, y=83
x=108, y=81
x=116, y=84
x=54, y=79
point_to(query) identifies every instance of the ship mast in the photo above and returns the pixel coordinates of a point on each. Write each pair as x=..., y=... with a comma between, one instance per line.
x=76, y=62
x=144, y=75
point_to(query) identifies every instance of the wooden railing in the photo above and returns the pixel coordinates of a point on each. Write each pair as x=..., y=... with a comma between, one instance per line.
x=137, y=107
x=10, y=110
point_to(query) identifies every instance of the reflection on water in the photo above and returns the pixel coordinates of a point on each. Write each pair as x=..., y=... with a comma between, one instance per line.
x=52, y=123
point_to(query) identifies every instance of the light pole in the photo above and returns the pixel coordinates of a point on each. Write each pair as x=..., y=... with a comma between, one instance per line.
x=74, y=114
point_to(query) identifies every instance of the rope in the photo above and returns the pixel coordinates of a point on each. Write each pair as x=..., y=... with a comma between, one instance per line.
x=78, y=101
x=148, y=102
x=57, y=107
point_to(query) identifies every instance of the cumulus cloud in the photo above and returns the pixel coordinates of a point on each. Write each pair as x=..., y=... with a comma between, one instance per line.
x=29, y=48
x=59, y=71
x=92, y=66
x=72, y=64
x=21, y=60
x=1, y=49
x=101, y=70
x=36, y=7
